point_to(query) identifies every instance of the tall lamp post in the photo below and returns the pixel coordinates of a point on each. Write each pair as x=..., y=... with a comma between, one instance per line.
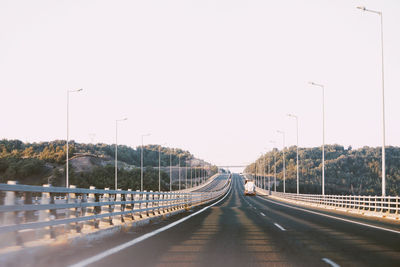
x=186, y=174
x=170, y=170
x=297, y=147
x=273, y=142
x=191, y=174
x=179, y=170
x=284, y=167
x=67, y=167
x=323, y=134
x=159, y=166
x=141, y=164
x=268, y=170
x=116, y=151
x=263, y=180
x=383, y=101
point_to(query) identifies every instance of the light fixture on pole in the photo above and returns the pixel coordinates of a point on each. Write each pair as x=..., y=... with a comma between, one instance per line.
x=159, y=166
x=179, y=170
x=116, y=151
x=170, y=170
x=263, y=171
x=268, y=170
x=186, y=174
x=67, y=156
x=383, y=102
x=141, y=163
x=297, y=147
x=284, y=161
x=323, y=134
x=273, y=142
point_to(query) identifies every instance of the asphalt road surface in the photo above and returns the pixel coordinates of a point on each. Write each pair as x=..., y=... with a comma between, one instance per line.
x=247, y=231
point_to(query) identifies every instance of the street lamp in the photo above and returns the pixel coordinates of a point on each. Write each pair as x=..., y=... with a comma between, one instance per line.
x=297, y=147
x=67, y=174
x=141, y=163
x=263, y=180
x=191, y=174
x=159, y=166
x=284, y=167
x=323, y=134
x=273, y=142
x=268, y=170
x=170, y=170
x=186, y=174
x=383, y=102
x=179, y=170
x=116, y=151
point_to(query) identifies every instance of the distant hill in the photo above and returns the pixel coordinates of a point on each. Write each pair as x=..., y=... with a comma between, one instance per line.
x=90, y=164
x=347, y=171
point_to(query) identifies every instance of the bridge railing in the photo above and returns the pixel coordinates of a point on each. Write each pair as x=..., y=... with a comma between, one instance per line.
x=54, y=211
x=388, y=206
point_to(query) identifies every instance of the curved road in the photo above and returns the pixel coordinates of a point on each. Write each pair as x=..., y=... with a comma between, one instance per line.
x=249, y=231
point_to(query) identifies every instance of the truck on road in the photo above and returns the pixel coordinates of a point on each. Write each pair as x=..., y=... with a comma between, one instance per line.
x=249, y=188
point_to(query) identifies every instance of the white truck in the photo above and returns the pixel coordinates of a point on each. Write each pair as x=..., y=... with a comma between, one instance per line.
x=249, y=188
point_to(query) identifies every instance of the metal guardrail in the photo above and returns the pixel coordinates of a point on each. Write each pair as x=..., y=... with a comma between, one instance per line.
x=366, y=205
x=372, y=205
x=379, y=204
x=53, y=211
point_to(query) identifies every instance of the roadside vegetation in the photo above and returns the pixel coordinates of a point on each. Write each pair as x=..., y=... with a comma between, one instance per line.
x=44, y=162
x=347, y=171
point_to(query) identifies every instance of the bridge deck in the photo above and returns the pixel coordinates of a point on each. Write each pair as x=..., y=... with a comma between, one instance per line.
x=245, y=231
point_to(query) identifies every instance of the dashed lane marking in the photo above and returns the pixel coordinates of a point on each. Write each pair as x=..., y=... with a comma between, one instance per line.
x=330, y=262
x=280, y=227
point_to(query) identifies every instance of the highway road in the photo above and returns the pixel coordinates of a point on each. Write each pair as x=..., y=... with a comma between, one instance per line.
x=244, y=231
x=217, y=184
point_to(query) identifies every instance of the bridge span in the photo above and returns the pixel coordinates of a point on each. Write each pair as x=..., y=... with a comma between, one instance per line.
x=242, y=231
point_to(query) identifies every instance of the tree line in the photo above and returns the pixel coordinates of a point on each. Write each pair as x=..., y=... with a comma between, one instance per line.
x=44, y=162
x=347, y=171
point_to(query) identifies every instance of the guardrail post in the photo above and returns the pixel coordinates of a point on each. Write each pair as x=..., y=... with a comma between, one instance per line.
x=105, y=209
x=161, y=203
x=369, y=203
x=388, y=200
x=145, y=203
x=130, y=206
x=157, y=202
x=119, y=207
x=73, y=212
x=138, y=203
x=151, y=202
x=172, y=201
x=10, y=218
x=29, y=214
x=91, y=210
x=168, y=202
x=397, y=206
x=45, y=215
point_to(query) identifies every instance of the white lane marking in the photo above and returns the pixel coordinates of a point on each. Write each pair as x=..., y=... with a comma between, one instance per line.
x=262, y=214
x=334, y=217
x=141, y=238
x=280, y=227
x=331, y=263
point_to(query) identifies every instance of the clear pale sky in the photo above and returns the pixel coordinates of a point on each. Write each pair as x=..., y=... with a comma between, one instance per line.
x=214, y=77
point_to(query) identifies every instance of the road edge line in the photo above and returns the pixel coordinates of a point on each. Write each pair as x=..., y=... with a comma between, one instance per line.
x=333, y=217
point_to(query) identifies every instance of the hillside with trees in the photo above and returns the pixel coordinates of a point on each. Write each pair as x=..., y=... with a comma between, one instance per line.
x=44, y=162
x=347, y=171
